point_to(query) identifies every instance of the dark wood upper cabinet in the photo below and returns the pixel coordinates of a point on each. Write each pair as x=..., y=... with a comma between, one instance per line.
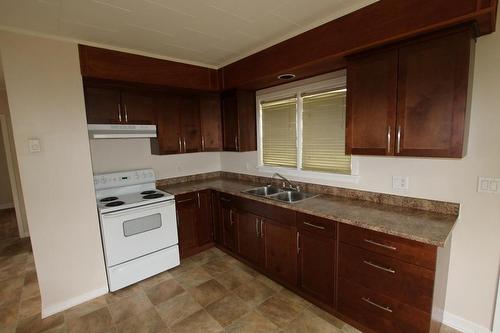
x=178, y=121
x=239, y=126
x=433, y=86
x=371, y=102
x=211, y=122
x=138, y=107
x=190, y=124
x=411, y=99
x=103, y=105
x=110, y=105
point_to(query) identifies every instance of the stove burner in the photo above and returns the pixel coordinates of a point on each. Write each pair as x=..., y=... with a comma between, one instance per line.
x=108, y=199
x=148, y=192
x=153, y=196
x=115, y=203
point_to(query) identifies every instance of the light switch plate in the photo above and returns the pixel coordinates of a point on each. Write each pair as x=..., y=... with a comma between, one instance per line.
x=400, y=182
x=34, y=145
x=488, y=185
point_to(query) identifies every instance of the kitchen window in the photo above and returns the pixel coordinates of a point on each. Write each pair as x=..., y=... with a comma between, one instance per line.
x=301, y=131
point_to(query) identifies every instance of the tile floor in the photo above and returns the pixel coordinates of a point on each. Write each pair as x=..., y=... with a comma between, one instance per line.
x=210, y=292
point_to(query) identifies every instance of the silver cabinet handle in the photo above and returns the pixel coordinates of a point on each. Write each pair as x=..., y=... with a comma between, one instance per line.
x=389, y=247
x=119, y=113
x=389, y=139
x=225, y=199
x=202, y=143
x=231, y=216
x=257, y=227
x=261, y=230
x=126, y=113
x=198, y=195
x=369, y=301
x=184, y=140
x=236, y=142
x=388, y=270
x=180, y=145
x=298, y=242
x=315, y=226
x=398, y=143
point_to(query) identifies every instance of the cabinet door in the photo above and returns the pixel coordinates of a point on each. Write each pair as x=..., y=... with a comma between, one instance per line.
x=211, y=122
x=432, y=96
x=187, y=221
x=217, y=224
x=168, y=115
x=249, y=240
x=317, y=266
x=138, y=108
x=205, y=220
x=229, y=225
x=371, y=103
x=230, y=122
x=190, y=123
x=280, y=246
x=103, y=105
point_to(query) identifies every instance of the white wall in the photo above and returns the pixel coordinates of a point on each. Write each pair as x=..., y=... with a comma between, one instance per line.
x=126, y=154
x=5, y=189
x=45, y=95
x=475, y=247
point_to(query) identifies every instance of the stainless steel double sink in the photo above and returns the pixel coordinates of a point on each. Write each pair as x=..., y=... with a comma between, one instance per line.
x=279, y=194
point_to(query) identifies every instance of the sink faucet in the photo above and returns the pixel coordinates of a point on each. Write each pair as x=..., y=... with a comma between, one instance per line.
x=291, y=186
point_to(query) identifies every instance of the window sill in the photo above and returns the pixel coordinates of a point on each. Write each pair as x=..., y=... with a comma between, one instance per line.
x=352, y=179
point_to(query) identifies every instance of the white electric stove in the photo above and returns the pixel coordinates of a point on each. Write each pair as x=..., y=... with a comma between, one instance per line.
x=138, y=226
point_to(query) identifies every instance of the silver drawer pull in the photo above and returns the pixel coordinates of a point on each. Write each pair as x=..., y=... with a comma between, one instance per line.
x=388, y=270
x=385, y=308
x=389, y=247
x=314, y=226
x=225, y=200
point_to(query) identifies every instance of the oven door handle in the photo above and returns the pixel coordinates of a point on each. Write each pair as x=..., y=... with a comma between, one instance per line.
x=127, y=211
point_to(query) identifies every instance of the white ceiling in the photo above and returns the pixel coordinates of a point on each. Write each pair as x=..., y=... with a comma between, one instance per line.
x=206, y=32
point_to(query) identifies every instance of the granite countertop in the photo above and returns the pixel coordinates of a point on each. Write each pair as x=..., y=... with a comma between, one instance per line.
x=419, y=225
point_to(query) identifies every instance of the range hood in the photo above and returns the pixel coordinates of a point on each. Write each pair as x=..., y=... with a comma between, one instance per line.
x=107, y=131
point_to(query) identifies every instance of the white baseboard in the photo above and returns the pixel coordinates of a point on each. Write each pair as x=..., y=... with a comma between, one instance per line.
x=58, y=307
x=462, y=324
x=6, y=206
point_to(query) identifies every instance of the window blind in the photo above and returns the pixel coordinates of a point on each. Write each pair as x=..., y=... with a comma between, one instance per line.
x=323, y=136
x=279, y=132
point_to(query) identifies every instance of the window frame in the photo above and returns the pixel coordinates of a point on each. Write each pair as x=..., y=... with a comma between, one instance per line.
x=331, y=81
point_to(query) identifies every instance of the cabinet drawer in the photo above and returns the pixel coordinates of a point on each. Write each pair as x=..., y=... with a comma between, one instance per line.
x=404, y=282
x=188, y=200
x=317, y=225
x=379, y=312
x=404, y=249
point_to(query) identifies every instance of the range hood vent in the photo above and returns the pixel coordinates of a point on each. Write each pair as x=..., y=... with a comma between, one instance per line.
x=105, y=131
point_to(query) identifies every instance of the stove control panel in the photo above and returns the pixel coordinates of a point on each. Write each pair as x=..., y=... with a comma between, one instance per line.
x=124, y=178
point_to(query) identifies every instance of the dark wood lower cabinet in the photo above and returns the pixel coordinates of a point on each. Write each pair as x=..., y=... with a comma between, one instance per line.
x=374, y=281
x=194, y=222
x=280, y=250
x=250, y=245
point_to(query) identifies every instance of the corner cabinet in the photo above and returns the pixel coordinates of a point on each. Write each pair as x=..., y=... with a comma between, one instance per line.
x=411, y=99
x=239, y=125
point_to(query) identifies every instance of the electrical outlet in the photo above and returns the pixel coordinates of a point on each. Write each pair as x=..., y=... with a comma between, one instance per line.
x=488, y=185
x=400, y=182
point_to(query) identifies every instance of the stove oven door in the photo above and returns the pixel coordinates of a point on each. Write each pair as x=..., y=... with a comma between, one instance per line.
x=135, y=232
